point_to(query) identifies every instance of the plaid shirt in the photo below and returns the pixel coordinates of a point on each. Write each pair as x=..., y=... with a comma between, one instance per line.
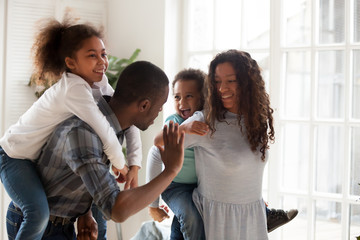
x=74, y=169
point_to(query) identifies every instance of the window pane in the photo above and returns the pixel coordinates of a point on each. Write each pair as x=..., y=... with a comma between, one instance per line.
x=328, y=220
x=263, y=61
x=355, y=161
x=227, y=24
x=297, y=228
x=256, y=24
x=329, y=158
x=356, y=21
x=331, y=89
x=356, y=85
x=354, y=221
x=200, y=61
x=331, y=21
x=297, y=85
x=295, y=157
x=297, y=15
x=200, y=25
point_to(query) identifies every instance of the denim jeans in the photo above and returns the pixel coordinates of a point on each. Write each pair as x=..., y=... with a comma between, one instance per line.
x=178, y=196
x=97, y=214
x=24, y=187
x=14, y=220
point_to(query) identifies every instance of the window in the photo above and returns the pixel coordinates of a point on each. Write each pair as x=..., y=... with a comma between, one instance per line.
x=310, y=55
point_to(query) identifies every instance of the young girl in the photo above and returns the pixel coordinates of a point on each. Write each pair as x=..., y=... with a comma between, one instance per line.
x=77, y=53
x=230, y=160
x=187, y=224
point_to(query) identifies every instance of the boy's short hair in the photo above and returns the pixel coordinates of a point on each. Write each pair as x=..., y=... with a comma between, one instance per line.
x=140, y=80
x=191, y=74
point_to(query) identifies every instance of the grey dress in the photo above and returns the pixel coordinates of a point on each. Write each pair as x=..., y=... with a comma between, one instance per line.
x=229, y=193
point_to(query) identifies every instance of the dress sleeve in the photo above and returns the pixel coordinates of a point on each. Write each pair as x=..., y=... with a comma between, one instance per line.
x=80, y=102
x=133, y=146
x=153, y=169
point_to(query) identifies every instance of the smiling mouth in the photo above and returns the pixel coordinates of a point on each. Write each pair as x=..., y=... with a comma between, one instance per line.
x=226, y=96
x=185, y=113
x=100, y=71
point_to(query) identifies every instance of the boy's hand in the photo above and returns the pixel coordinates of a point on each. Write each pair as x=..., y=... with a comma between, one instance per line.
x=132, y=177
x=195, y=127
x=160, y=213
x=172, y=154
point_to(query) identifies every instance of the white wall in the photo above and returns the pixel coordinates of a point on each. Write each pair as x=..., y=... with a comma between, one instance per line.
x=138, y=24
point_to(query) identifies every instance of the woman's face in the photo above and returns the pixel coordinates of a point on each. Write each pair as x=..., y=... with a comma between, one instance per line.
x=227, y=86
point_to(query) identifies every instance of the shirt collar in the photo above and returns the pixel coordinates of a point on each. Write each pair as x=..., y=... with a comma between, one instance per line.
x=109, y=114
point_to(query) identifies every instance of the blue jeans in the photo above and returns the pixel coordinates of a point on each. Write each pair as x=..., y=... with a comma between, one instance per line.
x=14, y=217
x=178, y=196
x=24, y=187
x=97, y=214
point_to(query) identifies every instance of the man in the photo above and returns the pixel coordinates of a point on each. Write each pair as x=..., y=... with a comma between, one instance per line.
x=75, y=171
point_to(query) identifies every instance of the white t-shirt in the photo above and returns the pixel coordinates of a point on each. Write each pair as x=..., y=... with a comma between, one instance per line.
x=71, y=95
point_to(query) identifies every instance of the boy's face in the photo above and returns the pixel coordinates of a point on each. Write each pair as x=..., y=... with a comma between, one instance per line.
x=187, y=98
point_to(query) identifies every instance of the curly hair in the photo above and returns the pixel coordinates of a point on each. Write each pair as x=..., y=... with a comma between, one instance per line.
x=254, y=104
x=196, y=75
x=55, y=41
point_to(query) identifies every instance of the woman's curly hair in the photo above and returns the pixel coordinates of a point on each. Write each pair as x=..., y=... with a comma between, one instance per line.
x=54, y=42
x=254, y=104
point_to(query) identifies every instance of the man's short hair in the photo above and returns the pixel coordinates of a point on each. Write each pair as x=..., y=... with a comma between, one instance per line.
x=140, y=80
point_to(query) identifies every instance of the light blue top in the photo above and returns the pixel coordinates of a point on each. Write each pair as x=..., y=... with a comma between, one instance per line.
x=187, y=173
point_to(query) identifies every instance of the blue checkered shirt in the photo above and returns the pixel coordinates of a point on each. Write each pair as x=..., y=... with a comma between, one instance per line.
x=74, y=169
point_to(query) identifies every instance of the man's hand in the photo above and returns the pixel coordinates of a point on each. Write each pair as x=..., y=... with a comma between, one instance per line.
x=132, y=177
x=172, y=154
x=160, y=213
x=87, y=227
x=195, y=127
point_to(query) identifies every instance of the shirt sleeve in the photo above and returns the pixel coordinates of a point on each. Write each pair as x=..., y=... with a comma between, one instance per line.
x=105, y=87
x=80, y=102
x=85, y=157
x=153, y=169
x=193, y=140
x=133, y=146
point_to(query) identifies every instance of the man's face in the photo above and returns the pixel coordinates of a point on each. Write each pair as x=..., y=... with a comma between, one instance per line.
x=147, y=118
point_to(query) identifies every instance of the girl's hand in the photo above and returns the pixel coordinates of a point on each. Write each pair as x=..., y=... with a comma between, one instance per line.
x=120, y=174
x=160, y=213
x=195, y=127
x=132, y=178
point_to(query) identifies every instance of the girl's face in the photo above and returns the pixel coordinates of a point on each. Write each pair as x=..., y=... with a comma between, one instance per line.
x=187, y=98
x=90, y=61
x=227, y=86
